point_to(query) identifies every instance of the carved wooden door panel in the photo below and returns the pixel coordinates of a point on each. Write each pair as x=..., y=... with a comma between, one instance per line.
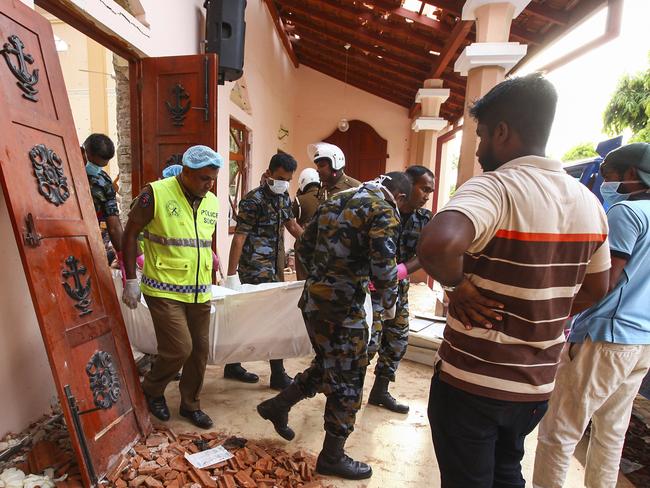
x=55, y=226
x=364, y=149
x=178, y=109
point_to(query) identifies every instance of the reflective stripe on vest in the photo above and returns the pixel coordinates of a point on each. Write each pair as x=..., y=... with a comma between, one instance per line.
x=177, y=245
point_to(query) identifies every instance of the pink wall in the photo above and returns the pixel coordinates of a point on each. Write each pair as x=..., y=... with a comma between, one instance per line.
x=320, y=104
x=25, y=377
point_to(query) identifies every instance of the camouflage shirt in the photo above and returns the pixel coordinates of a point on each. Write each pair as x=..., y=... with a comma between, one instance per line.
x=344, y=182
x=103, y=193
x=351, y=239
x=262, y=215
x=410, y=229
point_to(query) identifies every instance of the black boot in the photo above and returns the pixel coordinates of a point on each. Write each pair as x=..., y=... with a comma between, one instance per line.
x=277, y=409
x=279, y=377
x=333, y=461
x=379, y=396
x=236, y=371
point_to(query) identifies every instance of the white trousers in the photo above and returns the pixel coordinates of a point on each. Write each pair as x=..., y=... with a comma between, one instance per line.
x=595, y=381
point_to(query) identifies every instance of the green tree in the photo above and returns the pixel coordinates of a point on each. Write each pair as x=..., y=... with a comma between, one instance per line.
x=583, y=150
x=629, y=107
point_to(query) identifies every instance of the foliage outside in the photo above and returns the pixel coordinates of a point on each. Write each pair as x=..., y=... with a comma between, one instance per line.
x=629, y=107
x=583, y=150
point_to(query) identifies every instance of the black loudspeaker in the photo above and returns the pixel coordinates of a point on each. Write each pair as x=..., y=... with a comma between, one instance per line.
x=225, y=34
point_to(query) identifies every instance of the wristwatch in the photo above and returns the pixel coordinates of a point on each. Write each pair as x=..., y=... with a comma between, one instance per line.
x=451, y=288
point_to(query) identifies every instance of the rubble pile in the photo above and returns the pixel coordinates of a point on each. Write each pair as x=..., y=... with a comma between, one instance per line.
x=42, y=457
x=161, y=462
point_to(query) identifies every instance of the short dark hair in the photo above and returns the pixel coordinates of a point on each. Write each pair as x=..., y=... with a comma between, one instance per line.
x=527, y=104
x=283, y=160
x=100, y=145
x=415, y=171
x=398, y=182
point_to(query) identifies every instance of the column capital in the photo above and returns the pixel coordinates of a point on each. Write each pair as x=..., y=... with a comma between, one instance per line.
x=440, y=93
x=479, y=54
x=429, y=123
x=470, y=7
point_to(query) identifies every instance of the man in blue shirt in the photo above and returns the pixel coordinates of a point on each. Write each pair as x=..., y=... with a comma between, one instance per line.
x=608, y=354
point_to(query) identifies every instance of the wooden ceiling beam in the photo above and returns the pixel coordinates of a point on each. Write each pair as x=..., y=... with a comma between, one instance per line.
x=279, y=27
x=454, y=42
x=305, y=24
x=455, y=8
x=548, y=14
x=334, y=24
x=421, y=20
x=361, y=69
x=358, y=56
x=393, y=28
x=354, y=81
x=581, y=11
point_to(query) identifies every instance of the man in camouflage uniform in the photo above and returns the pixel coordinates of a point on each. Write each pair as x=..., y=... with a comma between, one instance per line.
x=390, y=337
x=330, y=164
x=258, y=243
x=98, y=150
x=350, y=240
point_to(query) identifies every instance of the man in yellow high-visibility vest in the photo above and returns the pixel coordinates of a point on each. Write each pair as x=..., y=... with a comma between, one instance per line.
x=177, y=217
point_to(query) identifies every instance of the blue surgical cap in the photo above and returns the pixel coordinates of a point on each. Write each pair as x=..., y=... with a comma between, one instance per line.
x=197, y=157
x=173, y=170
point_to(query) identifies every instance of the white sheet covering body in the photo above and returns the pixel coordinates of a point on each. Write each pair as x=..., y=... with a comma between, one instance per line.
x=259, y=323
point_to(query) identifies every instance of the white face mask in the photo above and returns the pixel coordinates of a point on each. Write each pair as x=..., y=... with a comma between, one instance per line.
x=278, y=186
x=379, y=182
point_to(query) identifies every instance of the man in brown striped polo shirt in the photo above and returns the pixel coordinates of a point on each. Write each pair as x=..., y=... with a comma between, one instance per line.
x=513, y=248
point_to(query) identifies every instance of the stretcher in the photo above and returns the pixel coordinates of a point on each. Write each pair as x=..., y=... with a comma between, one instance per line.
x=258, y=323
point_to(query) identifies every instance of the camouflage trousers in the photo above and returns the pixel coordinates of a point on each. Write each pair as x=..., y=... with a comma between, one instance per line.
x=338, y=371
x=390, y=338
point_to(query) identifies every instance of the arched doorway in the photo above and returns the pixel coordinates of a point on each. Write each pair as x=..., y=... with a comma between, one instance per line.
x=364, y=149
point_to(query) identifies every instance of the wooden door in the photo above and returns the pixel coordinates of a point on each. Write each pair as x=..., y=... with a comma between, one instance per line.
x=364, y=149
x=177, y=98
x=55, y=226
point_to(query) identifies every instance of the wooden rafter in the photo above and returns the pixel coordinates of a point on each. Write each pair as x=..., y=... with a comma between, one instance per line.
x=548, y=14
x=279, y=27
x=304, y=25
x=332, y=23
x=455, y=41
x=360, y=68
x=356, y=56
x=377, y=22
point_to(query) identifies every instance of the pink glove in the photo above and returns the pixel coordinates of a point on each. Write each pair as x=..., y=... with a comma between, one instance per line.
x=120, y=262
x=140, y=261
x=371, y=287
x=401, y=271
x=215, y=261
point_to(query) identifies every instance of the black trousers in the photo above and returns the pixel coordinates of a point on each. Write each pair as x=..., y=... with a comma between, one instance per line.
x=479, y=442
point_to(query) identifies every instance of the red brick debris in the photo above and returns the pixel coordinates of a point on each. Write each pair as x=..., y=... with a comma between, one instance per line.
x=159, y=461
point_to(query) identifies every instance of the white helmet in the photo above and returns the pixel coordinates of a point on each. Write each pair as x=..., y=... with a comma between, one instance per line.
x=326, y=150
x=307, y=176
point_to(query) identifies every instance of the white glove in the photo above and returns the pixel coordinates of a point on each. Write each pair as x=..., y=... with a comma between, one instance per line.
x=232, y=282
x=389, y=314
x=131, y=294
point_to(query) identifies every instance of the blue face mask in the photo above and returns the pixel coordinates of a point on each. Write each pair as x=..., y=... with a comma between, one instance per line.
x=609, y=191
x=92, y=169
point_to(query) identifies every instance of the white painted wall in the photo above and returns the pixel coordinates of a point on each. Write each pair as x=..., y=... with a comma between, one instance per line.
x=26, y=381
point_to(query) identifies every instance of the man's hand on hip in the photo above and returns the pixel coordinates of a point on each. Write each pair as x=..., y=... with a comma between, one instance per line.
x=471, y=308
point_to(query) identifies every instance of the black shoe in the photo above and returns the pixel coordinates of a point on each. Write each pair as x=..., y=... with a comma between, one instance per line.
x=380, y=397
x=280, y=381
x=277, y=410
x=237, y=372
x=332, y=461
x=197, y=417
x=158, y=407
x=269, y=410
